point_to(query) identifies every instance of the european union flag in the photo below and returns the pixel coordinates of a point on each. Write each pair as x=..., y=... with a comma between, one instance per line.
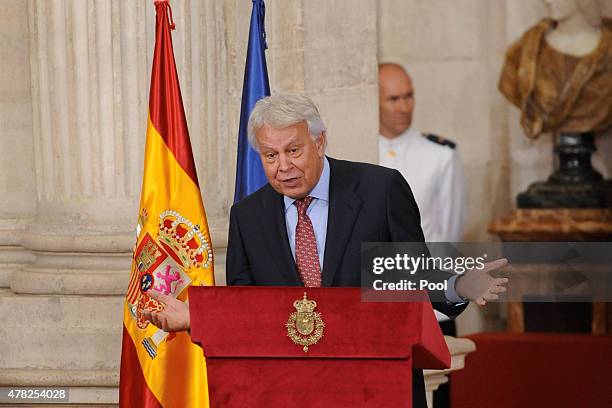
x=249, y=171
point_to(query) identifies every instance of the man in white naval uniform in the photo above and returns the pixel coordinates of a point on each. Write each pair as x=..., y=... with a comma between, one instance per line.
x=430, y=164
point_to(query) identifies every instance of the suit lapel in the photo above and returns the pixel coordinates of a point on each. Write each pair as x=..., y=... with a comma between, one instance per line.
x=272, y=225
x=344, y=206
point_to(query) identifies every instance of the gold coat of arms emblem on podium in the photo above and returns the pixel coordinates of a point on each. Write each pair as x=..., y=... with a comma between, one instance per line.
x=305, y=326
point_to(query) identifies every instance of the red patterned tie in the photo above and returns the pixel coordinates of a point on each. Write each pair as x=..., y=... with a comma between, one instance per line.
x=306, y=254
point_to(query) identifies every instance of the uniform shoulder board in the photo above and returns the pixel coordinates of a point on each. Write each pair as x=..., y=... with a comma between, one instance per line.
x=440, y=140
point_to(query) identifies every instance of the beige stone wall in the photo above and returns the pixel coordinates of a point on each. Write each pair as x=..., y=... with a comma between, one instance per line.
x=326, y=50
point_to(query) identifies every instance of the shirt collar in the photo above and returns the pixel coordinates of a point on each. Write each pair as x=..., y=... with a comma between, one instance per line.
x=409, y=133
x=320, y=191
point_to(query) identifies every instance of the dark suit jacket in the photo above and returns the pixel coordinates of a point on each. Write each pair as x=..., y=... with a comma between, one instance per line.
x=367, y=203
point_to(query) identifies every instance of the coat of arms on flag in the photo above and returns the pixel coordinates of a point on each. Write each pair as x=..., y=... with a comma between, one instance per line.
x=160, y=263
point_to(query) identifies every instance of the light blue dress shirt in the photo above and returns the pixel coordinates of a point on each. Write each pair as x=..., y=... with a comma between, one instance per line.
x=318, y=211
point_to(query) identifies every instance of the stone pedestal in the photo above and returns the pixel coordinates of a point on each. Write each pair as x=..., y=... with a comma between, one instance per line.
x=65, y=341
x=555, y=225
x=574, y=183
x=459, y=348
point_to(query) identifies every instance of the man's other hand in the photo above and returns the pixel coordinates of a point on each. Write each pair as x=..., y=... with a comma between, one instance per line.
x=479, y=286
x=174, y=317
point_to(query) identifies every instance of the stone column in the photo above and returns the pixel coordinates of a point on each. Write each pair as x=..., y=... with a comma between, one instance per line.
x=87, y=128
x=17, y=184
x=87, y=131
x=90, y=79
x=68, y=234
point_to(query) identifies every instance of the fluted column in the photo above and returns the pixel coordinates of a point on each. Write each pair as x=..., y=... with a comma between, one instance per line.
x=90, y=79
x=69, y=228
x=17, y=185
x=86, y=165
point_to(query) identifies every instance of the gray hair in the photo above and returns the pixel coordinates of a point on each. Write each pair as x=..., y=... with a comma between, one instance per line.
x=283, y=111
x=591, y=9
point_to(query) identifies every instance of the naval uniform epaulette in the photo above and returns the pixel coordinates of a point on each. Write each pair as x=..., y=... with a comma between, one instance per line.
x=440, y=140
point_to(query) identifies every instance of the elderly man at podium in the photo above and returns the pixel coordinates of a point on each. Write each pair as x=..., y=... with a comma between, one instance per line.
x=306, y=226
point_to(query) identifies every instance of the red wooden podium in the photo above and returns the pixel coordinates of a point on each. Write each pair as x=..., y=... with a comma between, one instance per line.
x=364, y=358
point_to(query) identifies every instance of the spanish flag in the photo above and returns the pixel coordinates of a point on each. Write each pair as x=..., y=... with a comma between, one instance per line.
x=173, y=248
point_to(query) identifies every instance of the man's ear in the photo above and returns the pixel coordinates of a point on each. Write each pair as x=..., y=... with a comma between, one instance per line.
x=320, y=142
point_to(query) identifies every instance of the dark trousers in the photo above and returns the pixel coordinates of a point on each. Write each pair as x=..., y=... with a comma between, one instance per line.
x=418, y=389
x=441, y=396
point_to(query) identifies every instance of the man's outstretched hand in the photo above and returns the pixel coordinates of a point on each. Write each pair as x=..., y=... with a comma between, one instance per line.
x=174, y=317
x=479, y=286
